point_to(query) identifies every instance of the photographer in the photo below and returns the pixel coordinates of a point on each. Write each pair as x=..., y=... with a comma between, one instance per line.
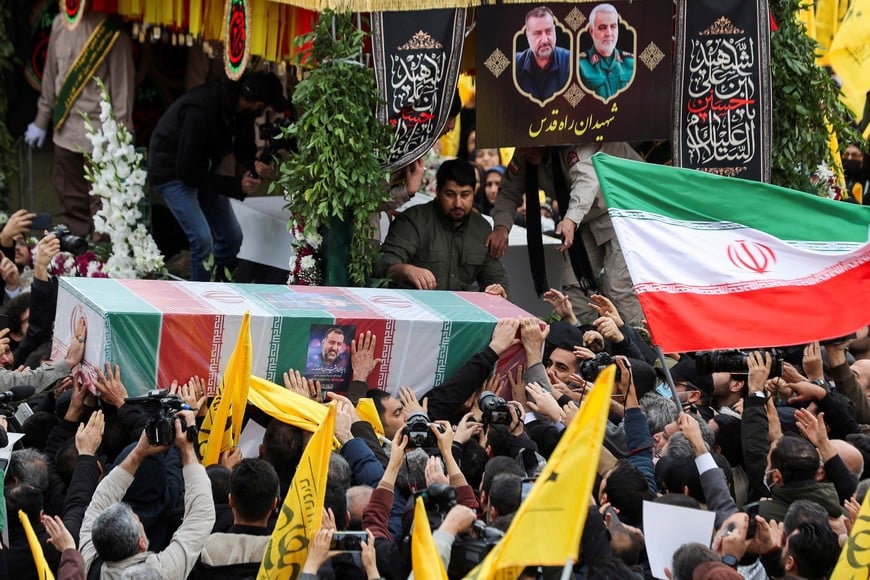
x=202, y=153
x=38, y=327
x=15, y=227
x=112, y=533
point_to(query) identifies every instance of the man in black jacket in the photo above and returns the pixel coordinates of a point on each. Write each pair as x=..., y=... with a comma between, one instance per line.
x=193, y=155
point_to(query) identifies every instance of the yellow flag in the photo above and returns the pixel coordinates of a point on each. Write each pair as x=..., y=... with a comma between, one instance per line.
x=854, y=562
x=829, y=16
x=367, y=411
x=426, y=561
x=216, y=434
x=806, y=15
x=42, y=567
x=850, y=55
x=546, y=530
x=285, y=405
x=302, y=512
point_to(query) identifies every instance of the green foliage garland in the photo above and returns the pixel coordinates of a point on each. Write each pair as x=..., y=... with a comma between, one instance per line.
x=8, y=169
x=336, y=170
x=805, y=98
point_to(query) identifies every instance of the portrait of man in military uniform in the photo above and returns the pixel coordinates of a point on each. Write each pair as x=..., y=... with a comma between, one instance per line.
x=543, y=69
x=605, y=70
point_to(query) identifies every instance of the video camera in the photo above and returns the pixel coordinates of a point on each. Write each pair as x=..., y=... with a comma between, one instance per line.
x=439, y=499
x=590, y=369
x=163, y=409
x=734, y=361
x=495, y=410
x=418, y=432
x=274, y=133
x=68, y=242
x=468, y=549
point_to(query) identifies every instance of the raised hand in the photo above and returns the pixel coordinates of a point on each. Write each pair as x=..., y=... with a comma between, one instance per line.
x=110, y=387
x=542, y=403
x=89, y=437
x=296, y=382
x=504, y=334
x=812, y=362
x=194, y=395
x=434, y=472
x=561, y=305
x=362, y=356
x=605, y=307
x=58, y=535
x=409, y=399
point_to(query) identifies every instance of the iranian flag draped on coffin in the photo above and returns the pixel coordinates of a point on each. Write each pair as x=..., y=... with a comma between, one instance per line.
x=719, y=262
x=159, y=331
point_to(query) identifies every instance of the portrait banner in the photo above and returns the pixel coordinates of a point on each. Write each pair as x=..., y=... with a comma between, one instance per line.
x=556, y=74
x=722, y=107
x=416, y=60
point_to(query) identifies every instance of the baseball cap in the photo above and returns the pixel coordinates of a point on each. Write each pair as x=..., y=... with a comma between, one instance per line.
x=684, y=371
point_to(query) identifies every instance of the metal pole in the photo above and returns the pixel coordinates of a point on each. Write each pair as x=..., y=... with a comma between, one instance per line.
x=568, y=570
x=668, y=378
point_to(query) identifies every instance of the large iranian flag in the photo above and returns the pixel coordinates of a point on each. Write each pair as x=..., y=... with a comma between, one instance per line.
x=720, y=263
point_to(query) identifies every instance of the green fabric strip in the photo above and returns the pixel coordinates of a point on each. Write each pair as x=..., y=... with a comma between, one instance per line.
x=685, y=194
x=99, y=44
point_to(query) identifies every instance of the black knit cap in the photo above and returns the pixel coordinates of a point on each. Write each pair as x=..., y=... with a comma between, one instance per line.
x=265, y=87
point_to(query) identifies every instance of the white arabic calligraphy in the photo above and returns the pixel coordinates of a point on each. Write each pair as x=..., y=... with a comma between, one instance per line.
x=723, y=103
x=415, y=79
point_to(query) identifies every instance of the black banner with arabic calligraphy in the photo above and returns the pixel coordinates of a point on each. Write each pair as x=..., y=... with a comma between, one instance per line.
x=722, y=114
x=592, y=89
x=416, y=59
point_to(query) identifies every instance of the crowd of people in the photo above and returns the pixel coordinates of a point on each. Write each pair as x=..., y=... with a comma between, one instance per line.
x=773, y=443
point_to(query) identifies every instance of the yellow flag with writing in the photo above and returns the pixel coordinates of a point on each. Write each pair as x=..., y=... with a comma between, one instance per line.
x=546, y=530
x=43, y=570
x=426, y=561
x=850, y=56
x=222, y=424
x=854, y=562
x=302, y=512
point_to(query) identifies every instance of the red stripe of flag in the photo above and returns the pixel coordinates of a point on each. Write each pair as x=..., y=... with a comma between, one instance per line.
x=780, y=316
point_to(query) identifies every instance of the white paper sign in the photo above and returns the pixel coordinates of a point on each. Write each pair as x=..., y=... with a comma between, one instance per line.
x=250, y=439
x=667, y=527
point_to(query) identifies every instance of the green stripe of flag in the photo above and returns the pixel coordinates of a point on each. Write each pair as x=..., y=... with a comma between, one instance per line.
x=690, y=195
x=462, y=334
x=106, y=295
x=132, y=328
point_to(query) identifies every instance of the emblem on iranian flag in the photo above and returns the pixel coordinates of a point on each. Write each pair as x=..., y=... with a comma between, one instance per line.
x=753, y=256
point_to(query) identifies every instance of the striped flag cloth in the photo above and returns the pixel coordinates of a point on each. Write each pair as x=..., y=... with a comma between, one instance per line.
x=721, y=263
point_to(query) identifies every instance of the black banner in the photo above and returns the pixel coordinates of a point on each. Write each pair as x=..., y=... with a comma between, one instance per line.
x=546, y=76
x=722, y=114
x=416, y=60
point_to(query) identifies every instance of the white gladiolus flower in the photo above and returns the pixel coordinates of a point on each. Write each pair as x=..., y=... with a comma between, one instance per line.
x=118, y=179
